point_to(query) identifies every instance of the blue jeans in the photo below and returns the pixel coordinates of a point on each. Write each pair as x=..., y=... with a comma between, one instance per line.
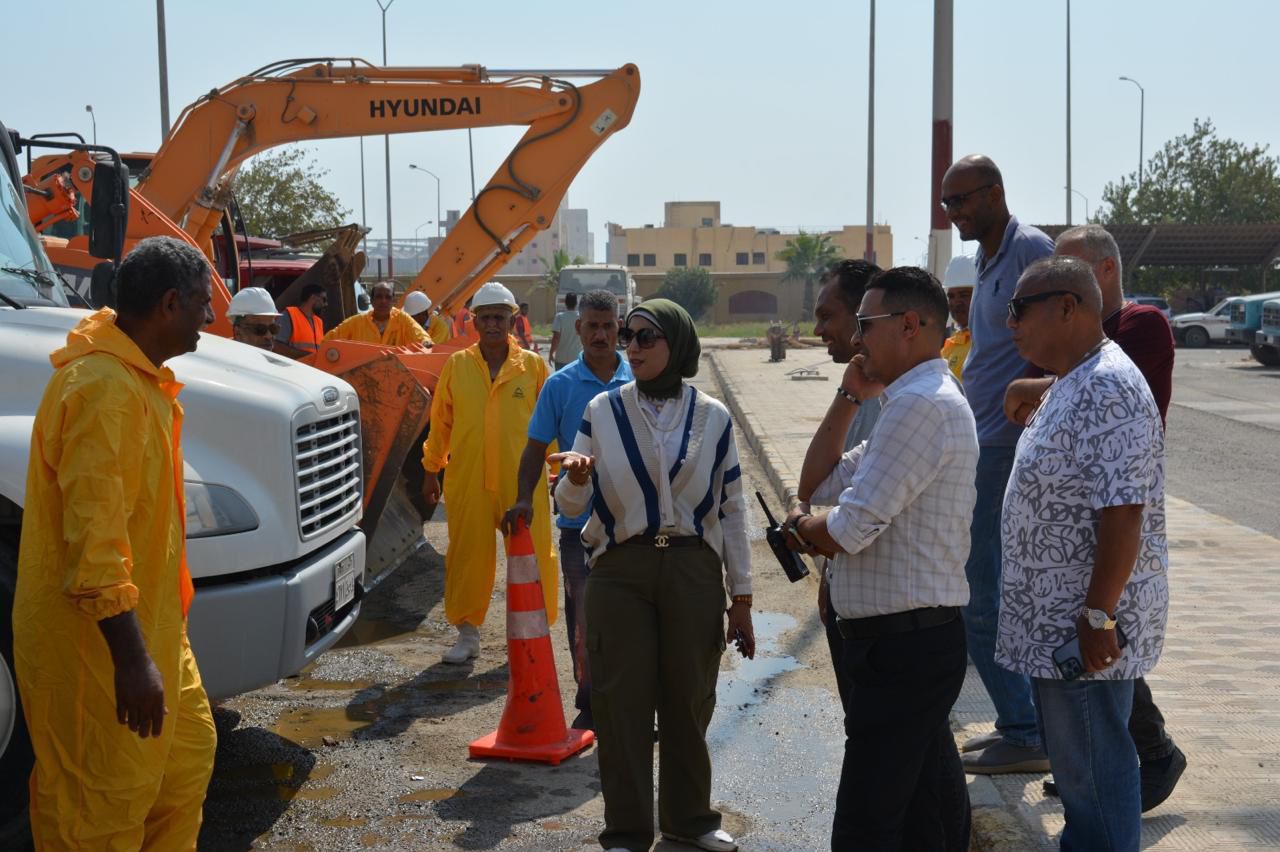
x=573, y=566
x=1094, y=762
x=1010, y=692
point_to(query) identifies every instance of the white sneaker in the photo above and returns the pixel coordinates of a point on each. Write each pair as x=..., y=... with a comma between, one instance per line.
x=466, y=648
x=713, y=841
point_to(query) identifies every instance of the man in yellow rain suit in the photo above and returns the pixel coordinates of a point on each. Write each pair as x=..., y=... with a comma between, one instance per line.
x=418, y=305
x=384, y=324
x=959, y=280
x=119, y=720
x=479, y=422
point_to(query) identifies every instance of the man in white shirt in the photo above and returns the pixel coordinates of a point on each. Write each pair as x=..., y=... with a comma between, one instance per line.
x=899, y=534
x=566, y=345
x=1084, y=595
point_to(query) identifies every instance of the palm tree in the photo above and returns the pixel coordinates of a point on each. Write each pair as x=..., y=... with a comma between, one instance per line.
x=559, y=260
x=808, y=257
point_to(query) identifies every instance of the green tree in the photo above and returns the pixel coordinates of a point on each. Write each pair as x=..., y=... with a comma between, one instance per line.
x=551, y=270
x=1199, y=178
x=808, y=257
x=280, y=192
x=690, y=287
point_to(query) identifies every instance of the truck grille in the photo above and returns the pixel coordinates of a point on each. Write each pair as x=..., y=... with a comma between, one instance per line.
x=1271, y=316
x=327, y=464
x=1237, y=313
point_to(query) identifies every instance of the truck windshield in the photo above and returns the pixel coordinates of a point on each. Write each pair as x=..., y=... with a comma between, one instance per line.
x=26, y=276
x=586, y=280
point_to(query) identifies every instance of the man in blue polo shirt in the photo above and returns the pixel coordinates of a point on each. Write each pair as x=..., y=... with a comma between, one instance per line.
x=557, y=417
x=973, y=196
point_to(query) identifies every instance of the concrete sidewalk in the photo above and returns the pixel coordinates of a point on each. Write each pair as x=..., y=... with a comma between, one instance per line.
x=1218, y=682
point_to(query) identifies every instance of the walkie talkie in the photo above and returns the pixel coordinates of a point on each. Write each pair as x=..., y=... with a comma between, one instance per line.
x=792, y=563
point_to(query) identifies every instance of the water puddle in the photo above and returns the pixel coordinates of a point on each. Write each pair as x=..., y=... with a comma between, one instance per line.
x=750, y=682
x=432, y=794
x=368, y=631
x=309, y=726
x=310, y=684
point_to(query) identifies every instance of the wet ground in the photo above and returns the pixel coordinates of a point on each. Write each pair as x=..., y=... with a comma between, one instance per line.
x=367, y=749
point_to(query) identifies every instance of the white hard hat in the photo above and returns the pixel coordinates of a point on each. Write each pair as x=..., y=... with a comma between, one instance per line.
x=252, y=302
x=416, y=302
x=494, y=293
x=961, y=272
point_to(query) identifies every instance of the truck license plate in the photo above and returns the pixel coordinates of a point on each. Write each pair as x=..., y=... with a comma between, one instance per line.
x=344, y=581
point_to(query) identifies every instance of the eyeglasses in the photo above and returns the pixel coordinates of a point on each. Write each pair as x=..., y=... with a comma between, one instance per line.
x=645, y=337
x=864, y=323
x=262, y=330
x=1019, y=303
x=959, y=198
x=492, y=318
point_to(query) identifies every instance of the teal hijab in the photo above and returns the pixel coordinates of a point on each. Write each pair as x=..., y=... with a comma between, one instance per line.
x=682, y=340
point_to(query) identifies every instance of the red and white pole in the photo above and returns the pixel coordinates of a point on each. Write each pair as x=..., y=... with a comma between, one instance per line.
x=939, y=224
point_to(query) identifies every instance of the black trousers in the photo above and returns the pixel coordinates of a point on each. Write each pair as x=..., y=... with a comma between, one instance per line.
x=1146, y=725
x=835, y=644
x=902, y=786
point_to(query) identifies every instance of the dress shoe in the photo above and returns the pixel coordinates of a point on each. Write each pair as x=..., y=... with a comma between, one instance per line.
x=713, y=841
x=1004, y=758
x=466, y=648
x=1159, y=777
x=980, y=742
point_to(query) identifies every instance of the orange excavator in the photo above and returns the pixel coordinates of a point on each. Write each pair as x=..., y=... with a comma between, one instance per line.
x=185, y=191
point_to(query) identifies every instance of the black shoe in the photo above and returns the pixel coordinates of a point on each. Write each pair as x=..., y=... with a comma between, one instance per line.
x=1050, y=787
x=1159, y=777
x=584, y=722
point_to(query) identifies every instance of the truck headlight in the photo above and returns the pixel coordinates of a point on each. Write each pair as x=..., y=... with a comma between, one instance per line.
x=217, y=510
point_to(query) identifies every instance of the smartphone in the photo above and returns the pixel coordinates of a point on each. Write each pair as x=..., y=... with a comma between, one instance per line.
x=1068, y=660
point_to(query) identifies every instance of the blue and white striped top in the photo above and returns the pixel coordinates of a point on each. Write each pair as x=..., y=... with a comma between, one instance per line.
x=627, y=489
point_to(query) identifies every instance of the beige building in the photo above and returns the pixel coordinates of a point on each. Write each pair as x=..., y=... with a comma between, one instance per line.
x=741, y=259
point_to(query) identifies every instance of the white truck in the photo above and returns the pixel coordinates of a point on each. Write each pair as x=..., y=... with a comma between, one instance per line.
x=582, y=278
x=273, y=472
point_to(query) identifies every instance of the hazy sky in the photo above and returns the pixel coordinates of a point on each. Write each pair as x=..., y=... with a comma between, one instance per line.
x=761, y=106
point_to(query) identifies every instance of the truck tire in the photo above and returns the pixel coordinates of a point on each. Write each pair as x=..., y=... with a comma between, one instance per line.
x=1267, y=356
x=16, y=757
x=1195, y=337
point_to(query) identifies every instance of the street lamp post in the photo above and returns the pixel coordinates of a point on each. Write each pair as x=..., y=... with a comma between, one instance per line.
x=417, y=246
x=1142, y=122
x=1086, y=203
x=89, y=109
x=434, y=175
x=386, y=144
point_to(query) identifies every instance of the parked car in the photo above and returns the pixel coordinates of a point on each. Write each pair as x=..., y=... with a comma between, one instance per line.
x=1205, y=327
x=1156, y=301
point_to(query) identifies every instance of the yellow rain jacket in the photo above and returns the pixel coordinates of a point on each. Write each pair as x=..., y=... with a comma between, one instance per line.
x=402, y=330
x=955, y=349
x=103, y=533
x=479, y=427
x=437, y=329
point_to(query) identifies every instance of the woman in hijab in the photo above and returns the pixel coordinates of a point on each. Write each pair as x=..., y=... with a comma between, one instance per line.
x=656, y=463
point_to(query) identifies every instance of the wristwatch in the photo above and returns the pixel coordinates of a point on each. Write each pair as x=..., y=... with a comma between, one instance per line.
x=1099, y=619
x=844, y=393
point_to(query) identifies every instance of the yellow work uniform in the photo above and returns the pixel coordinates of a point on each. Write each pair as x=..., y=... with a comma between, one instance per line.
x=955, y=349
x=102, y=534
x=437, y=329
x=480, y=426
x=401, y=330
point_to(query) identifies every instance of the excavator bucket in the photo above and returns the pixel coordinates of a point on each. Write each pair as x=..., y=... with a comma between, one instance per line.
x=336, y=270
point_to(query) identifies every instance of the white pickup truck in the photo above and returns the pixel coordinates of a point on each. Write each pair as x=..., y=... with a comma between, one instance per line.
x=273, y=474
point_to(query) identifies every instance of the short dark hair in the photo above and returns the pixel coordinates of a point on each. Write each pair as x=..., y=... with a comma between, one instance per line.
x=598, y=300
x=154, y=267
x=910, y=288
x=570, y=301
x=312, y=290
x=851, y=277
x=524, y=304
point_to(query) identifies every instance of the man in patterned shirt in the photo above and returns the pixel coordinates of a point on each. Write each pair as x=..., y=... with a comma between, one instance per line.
x=1084, y=596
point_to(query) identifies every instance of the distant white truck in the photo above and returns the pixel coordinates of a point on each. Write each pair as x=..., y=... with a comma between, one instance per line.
x=273, y=474
x=1199, y=329
x=582, y=278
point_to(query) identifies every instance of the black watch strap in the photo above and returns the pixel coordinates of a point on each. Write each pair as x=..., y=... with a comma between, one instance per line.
x=844, y=393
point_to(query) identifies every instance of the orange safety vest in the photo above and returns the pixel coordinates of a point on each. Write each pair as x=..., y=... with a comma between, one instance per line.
x=461, y=322
x=524, y=331
x=306, y=336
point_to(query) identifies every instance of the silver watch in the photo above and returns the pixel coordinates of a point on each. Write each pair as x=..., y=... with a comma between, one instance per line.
x=1099, y=619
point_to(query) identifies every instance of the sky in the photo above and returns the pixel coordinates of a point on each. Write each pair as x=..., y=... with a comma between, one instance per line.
x=761, y=106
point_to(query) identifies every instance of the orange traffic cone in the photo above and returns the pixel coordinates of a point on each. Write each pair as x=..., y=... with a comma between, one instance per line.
x=532, y=726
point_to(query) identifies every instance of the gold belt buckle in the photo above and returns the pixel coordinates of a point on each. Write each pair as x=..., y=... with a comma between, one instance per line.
x=661, y=540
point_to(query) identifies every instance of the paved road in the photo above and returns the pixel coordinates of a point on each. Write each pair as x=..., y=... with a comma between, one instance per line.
x=1224, y=436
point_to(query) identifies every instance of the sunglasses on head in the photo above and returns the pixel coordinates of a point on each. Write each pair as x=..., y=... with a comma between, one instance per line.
x=262, y=330
x=645, y=337
x=1018, y=304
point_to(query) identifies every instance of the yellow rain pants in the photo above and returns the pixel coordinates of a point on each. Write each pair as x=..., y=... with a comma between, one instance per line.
x=480, y=427
x=102, y=534
x=401, y=330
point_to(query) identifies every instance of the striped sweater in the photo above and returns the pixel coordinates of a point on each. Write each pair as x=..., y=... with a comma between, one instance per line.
x=624, y=493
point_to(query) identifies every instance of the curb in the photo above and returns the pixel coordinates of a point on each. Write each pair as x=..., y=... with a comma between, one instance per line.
x=784, y=482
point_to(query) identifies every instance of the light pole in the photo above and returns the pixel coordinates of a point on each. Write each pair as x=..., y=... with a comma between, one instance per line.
x=1086, y=203
x=1068, y=186
x=417, y=246
x=869, y=251
x=386, y=144
x=434, y=175
x=1142, y=122
x=164, y=71
x=89, y=109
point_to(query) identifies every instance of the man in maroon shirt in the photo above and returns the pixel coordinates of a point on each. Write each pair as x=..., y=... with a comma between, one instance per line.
x=1143, y=332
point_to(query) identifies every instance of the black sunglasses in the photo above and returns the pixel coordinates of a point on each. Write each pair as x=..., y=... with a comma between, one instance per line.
x=959, y=198
x=864, y=323
x=1019, y=303
x=262, y=330
x=646, y=337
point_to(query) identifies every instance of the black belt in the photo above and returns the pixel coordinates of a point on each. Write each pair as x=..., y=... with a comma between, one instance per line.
x=896, y=622
x=663, y=541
